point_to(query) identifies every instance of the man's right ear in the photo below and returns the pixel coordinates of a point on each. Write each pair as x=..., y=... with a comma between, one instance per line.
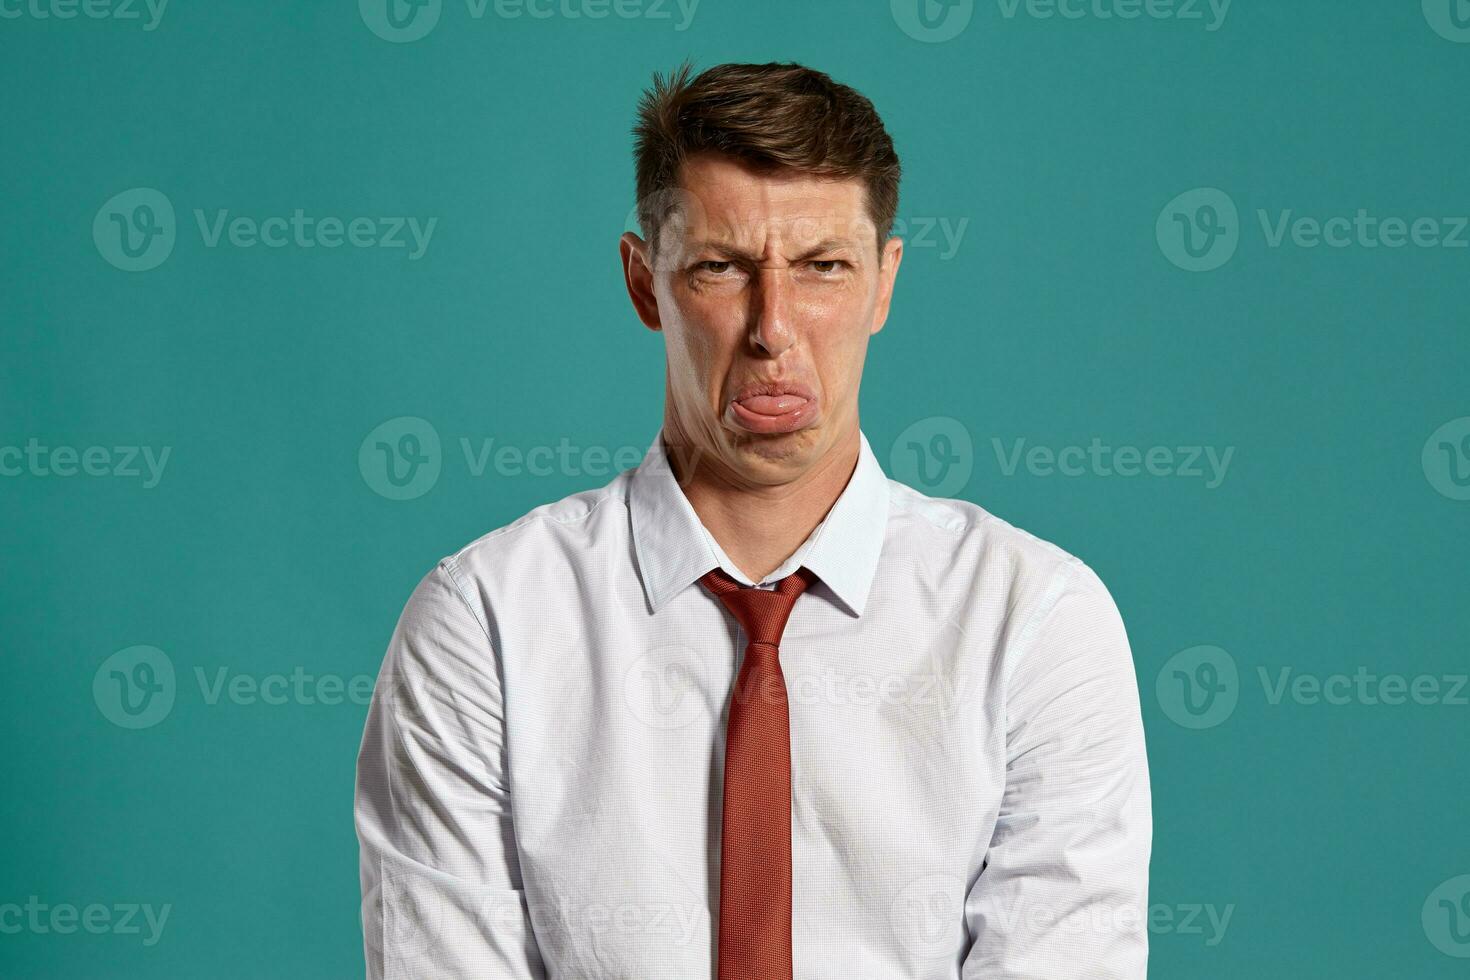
x=638, y=276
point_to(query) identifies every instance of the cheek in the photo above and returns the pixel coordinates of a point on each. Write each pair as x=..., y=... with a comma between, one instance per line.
x=711, y=309
x=840, y=346
x=841, y=316
x=842, y=306
x=839, y=358
x=699, y=337
x=710, y=325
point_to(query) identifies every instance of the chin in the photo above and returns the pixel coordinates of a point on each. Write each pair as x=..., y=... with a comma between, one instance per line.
x=777, y=451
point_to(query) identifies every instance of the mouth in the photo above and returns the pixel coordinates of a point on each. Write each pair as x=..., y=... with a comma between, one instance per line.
x=773, y=407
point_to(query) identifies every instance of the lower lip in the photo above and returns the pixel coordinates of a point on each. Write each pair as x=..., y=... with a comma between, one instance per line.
x=767, y=414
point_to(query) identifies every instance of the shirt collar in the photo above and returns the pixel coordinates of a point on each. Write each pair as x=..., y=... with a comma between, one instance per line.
x=674, y=549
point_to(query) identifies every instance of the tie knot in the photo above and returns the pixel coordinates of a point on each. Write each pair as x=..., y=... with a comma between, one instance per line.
x=762, y=613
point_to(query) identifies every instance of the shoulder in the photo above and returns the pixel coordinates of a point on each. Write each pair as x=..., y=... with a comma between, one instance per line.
x=978, y=536
x=533, y=553
x=563, y=529
x=1033, y=584
x=1056, y=613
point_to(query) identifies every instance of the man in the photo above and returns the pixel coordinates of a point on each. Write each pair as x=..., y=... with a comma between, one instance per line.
x=753, y=710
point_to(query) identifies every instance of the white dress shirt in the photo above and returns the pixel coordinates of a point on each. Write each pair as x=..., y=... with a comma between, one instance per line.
x=540, y=779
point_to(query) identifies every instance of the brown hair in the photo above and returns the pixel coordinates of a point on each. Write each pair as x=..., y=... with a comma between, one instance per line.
x=771, y=116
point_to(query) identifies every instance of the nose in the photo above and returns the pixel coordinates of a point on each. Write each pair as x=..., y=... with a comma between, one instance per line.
x=772, y=330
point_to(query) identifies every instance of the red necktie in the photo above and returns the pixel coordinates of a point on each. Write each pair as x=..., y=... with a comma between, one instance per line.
x=755, y=843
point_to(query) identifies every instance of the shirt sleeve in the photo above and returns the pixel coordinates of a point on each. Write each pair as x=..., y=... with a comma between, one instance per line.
x=441, y=884
x=1063, y=891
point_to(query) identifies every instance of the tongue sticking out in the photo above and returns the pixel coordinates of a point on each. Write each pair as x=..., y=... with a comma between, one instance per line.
x=772, y=404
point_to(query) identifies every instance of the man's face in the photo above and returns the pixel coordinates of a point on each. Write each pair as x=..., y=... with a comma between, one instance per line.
x=766, y=288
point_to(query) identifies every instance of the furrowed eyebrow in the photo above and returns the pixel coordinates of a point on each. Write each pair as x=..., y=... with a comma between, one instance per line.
x=826, y=245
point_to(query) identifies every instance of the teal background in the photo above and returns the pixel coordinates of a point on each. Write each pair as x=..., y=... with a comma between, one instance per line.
x=265, y=549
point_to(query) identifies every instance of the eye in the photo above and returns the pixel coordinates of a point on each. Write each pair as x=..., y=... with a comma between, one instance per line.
x=715, y=267
x=828, y=266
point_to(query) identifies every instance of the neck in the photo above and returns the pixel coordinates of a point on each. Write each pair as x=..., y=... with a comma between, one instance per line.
x=760, y=526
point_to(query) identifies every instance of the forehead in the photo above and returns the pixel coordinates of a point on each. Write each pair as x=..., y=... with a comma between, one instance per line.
x=724, y=198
